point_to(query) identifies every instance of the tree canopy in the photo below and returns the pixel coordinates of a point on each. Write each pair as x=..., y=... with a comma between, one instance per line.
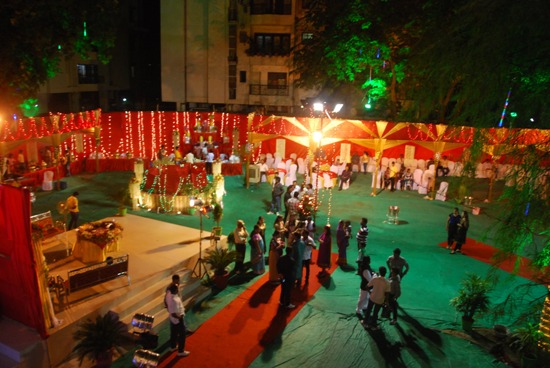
x=36, y=35
x=433, y=60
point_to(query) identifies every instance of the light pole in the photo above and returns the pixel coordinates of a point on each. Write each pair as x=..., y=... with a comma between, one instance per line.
x=203, y=210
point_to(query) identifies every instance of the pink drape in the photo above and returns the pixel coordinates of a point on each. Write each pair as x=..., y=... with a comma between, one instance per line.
x=19, y=290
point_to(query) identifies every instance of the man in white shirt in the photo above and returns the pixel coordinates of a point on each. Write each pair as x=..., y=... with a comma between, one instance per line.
x=380, y=287
x=209, y=161
x=177, y=321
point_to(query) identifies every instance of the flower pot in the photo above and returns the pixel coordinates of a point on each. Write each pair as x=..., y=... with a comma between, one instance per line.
x=221, y=281
x=467, y=324
x=122, y=211
x=104, y=360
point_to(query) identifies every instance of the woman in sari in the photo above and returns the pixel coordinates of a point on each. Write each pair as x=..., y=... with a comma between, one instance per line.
x=276, y=246
x=325, y=246
x=257, y=251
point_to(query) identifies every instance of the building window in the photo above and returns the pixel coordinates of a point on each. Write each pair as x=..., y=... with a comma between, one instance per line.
x=242, y=76
x=87, y=74
x=232, y=82
x=275, y=80
x=271, y=7
x=271, y=44
x=306, y=4
x=307, y=36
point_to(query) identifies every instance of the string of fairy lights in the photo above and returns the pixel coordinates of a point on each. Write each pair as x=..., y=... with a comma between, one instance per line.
x=140, y=134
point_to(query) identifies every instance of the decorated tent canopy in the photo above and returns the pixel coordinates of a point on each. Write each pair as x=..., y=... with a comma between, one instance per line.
x=141, y=134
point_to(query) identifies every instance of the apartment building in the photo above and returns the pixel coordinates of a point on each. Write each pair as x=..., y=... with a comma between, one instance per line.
x=130, y=81
x=230, y=55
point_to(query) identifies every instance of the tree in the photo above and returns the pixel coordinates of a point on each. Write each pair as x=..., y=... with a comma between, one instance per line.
x=36, y=35
x=358, y=45
x=434, y=60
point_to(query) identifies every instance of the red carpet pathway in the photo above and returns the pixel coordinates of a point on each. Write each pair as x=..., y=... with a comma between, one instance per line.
x=485, y=253
x=236, y=335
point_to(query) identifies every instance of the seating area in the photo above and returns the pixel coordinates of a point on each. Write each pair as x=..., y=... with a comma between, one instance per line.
x=423, y=174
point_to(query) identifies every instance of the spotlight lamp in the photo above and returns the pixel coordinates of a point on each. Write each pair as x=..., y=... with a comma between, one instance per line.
x=337, y=108
x=317, y=136
x=368, y=105
x=318, y=106
x=145, y=358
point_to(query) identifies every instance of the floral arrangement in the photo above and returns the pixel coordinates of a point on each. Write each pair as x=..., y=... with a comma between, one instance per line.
x=100, y=232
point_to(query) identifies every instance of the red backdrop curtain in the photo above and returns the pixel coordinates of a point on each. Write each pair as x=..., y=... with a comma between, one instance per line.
x=19, y=290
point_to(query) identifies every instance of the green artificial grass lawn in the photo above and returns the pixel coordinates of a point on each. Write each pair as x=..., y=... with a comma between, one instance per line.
x=326, y=332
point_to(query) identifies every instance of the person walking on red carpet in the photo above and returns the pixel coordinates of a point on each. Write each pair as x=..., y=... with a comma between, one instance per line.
x=325, y=246
x=461, y=232
x=285, y=266
x=177, y=321
x=308, y=250
x=276, y=246
x=241, y=235
x=298, y=247
x=452, y=227
x=257, y=251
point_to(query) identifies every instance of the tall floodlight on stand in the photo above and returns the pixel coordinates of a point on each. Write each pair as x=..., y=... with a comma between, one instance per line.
x=200, y=268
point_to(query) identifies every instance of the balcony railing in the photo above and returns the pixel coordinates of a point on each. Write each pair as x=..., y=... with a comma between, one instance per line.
x=267, y=90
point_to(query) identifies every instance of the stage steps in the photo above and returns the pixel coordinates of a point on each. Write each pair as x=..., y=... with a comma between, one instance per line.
x=140, y=296
x=21, y=346
x=150, y=300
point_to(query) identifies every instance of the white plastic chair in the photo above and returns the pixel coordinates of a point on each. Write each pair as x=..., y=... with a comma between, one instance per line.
x=291, y=175
x=371, y=165
x=287, y=164
x=269, y=161
x=441, y=194
x=417, y=178
x=427, y=178
x=47, y=183
x=277, y=161
x=422, y=164
x=327, y=180
x=376, y=181
x=458, y=169
x=451, y=167
x=301, y=166
x=480, y=171
x=281, y=167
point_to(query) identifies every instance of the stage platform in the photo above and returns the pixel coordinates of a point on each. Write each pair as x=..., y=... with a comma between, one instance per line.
x=156, y=250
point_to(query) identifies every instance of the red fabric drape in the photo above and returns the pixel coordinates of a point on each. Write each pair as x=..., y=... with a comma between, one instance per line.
x=19, y=290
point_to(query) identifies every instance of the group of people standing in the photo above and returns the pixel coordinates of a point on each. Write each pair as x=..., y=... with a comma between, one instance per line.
x=457, y=229
x=377, y=292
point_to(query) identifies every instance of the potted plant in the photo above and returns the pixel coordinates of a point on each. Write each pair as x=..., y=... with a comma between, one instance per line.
x=219, y=259
x=473, y=297
x=528, y=340
x=97, y=339
x=217, y=213
x=123, y=198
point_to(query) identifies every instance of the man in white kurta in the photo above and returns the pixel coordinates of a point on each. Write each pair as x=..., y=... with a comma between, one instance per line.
x=177, y=321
